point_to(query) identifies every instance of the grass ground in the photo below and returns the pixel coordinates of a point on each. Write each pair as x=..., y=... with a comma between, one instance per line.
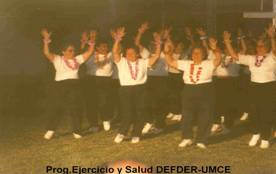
x=23, y=150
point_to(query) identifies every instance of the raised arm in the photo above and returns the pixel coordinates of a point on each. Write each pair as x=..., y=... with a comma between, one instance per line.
x=203, y=37
x=241, y=42
x=227, y=42
x=216, y=51
x=157, y=41
x=46, y=41
x=271, y=34
x=141, y=30
x=91, y=44
x=189, y=35
x=117, y=35
x=168, y=51
x=84, y=40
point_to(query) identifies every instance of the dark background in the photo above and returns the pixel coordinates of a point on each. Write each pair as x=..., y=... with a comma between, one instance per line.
x=24, y=72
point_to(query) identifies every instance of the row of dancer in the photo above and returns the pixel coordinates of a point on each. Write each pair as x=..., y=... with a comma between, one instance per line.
x=144, y=73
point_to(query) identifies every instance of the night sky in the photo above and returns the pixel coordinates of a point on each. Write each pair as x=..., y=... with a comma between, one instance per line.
x=21, y=21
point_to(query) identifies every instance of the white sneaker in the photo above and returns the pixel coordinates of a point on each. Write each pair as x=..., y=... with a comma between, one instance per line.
x=185, y=143
x=254, y=140
x=215, y=128
x=244, y=116
x=146, y=128
x=77, y=136
x=177, y=117
x=264, y=144
x=119, y=138
x=135, y=140
x=49, y=134
x=106, y=125
x=201, y=146
x=170, y=115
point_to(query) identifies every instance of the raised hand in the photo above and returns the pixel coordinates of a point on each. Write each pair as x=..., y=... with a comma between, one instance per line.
x=92, y=36
x=143, y=28
x=84, y=37
x=166, y=33
x=226, y=36
x=46, y=35
x=212, y=43
x=118, y=34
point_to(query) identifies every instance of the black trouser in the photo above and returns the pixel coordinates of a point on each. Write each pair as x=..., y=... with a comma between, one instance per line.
x=197, y=101
x=133, y=107
x=115, y=106
x=175, y=84
x=262, y=97
x=98, y=92
x=157, y=100
x=226, y=100
x=90, y=93
x=104, y=91
x=66, y=102
x=244, y=101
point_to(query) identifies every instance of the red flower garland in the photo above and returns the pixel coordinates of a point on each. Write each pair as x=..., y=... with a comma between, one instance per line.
x=192, y=67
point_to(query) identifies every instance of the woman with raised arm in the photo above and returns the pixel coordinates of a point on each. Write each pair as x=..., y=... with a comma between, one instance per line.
x=156, y=86
x=66, y=89
x=262, y=67
x=174, y=79
x=197, y=94
x=99, y=78
x=226, y=80
x=133, y=76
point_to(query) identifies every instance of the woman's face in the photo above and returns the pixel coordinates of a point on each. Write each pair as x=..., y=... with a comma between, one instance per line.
x=69, y=52
x=261, y=49
x=131, y=54
x=102, y=48
x=197, y=55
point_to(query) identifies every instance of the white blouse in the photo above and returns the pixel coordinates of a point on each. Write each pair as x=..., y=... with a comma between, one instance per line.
x=262, y=68
x=67, y=68
x=132, y=73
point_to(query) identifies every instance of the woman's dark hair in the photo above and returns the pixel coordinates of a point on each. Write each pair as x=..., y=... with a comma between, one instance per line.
x=131, y=46
x=99, y=42
x=198, y=46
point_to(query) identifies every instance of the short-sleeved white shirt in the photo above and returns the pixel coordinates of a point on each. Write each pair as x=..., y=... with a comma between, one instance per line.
x=102, y=68
x=138, y=67
x=263, y=72
x=67, y=68
x=196, y=74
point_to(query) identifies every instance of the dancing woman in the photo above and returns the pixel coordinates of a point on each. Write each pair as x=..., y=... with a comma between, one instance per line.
x=66, y=89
